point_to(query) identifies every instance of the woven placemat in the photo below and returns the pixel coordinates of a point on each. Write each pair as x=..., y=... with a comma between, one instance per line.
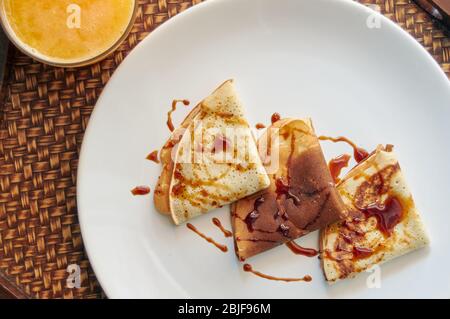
x=45, y=111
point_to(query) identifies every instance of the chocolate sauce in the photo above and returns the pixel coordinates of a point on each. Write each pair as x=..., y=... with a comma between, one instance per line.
x=388, y=215
x=336, y=165
x=248, y=268
x=361, y=253
x=348, y=238
x=178, y=189
x=153, y=156
x=351, y=237
x=275, y=117
x=359, y=153
x=169, y=114
x=282, y=188
x=225, y=232
x=140, y=190
x=347, y=241
x=260, y=126
x=223, y=248
x=284, y=230
x=253, y=215
x=299, y=250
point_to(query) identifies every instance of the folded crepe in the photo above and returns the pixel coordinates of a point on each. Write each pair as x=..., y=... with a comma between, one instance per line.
x=301, y=197
x=211, y=160
x=383, y=222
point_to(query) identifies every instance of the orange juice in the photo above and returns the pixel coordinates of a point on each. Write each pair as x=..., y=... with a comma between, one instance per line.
x=68, y=31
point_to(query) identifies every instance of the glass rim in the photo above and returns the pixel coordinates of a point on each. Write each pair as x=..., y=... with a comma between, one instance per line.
x=26, y=49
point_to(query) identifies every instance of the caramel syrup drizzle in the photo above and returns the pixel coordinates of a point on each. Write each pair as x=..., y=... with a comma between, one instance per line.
x=169, y=114
x=223, y=248
x=225, y=231
x=248, y=268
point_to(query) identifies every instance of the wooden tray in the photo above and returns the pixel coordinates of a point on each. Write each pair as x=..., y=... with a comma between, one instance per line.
x=45, y=111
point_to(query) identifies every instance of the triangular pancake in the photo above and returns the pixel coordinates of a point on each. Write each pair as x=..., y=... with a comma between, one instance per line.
x=383, y=222
x=301, y=197
x=216, y=161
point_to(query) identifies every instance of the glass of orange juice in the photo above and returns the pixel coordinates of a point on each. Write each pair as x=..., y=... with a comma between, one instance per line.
x=67, y=33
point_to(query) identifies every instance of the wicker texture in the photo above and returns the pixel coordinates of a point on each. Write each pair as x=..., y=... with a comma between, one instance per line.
x=44, y=115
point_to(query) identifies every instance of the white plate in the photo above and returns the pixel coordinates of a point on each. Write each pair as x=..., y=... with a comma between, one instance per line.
x=300, y=58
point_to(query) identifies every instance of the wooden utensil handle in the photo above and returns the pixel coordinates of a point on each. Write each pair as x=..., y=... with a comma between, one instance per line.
x=440, y=9
x=8, y=290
